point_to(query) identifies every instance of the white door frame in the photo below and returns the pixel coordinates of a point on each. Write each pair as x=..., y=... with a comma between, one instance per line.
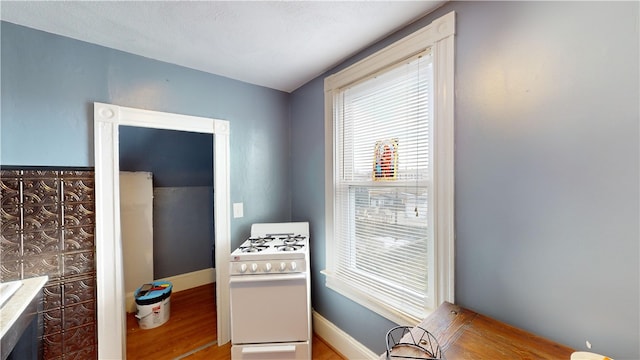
x=110, y=282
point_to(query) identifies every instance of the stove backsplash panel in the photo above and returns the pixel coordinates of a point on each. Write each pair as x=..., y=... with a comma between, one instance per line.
x=48, y=228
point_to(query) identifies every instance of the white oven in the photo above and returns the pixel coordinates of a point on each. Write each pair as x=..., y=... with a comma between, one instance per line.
x=269, y=294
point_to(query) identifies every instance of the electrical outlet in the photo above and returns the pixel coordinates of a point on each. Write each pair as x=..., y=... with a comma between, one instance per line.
x=238, y=210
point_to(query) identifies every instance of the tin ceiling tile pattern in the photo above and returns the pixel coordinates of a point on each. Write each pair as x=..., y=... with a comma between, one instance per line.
x=40, y=188
x=78, y=338
x=78, y=315
x=52, y=346
x=41, y=241
x=79, y=263
x=79, y=291
x=48, y=228
x=52, y=321
x=10, y=243
x=41, y=264
x=10, y=224
x=79, y=238
x=11, y=270
x=52, y=297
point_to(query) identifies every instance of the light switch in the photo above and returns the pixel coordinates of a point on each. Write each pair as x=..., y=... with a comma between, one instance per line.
x=238, y=210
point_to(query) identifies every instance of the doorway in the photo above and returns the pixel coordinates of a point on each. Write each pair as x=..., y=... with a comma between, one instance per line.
x=166, y=207
x=107, y=120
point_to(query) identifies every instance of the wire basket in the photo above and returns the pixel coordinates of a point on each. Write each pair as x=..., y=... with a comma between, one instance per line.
x=420, y=343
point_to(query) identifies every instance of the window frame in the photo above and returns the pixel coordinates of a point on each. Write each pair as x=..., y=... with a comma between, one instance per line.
x=439, y=36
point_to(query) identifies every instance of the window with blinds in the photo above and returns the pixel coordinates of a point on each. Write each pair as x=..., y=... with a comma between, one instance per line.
x=383, y=222
x=389, y=184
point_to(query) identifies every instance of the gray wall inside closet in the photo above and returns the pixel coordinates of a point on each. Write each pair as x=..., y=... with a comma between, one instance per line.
x=182, y=168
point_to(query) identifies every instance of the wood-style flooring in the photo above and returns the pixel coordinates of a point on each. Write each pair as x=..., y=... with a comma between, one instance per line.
x=190, y=333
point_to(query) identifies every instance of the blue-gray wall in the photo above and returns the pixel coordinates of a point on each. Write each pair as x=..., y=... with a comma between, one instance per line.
x=49, y=84
x=547, y=172
x=183, y=237
x=176, y=158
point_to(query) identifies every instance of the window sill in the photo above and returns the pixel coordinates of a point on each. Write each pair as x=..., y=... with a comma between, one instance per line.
x=363, y=299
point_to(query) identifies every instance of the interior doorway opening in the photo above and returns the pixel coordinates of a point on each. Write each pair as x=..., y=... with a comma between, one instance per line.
x=109, y=270
x=166, y=216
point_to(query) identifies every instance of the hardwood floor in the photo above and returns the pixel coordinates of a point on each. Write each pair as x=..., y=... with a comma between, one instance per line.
x=192, y=324
x=190, y=333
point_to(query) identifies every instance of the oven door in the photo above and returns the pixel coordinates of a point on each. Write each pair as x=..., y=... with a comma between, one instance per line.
x=269, y=308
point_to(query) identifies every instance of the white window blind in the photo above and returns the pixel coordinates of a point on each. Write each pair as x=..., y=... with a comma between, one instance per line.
x=383, y=221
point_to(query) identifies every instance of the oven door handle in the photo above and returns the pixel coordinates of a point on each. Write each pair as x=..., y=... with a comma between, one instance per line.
x=259, y=278
x=269, y=349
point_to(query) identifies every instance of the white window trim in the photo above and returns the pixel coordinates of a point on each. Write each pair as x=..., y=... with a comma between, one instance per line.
x=439, y=36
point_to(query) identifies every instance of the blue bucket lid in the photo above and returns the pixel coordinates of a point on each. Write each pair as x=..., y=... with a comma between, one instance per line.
x=160, y=290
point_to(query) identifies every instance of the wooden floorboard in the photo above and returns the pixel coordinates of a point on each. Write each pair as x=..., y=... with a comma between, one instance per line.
x=192, y=324
x=189, y=331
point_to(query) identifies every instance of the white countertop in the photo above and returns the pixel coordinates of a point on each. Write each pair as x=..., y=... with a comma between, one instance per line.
x=17, y=304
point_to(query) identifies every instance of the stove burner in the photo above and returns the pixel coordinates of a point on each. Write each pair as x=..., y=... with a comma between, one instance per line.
x=290, y=240
x=260, y=240
x=293, y=247
x=252, y=248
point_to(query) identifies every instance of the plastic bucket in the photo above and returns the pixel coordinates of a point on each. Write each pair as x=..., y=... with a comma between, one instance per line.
x=153, y=303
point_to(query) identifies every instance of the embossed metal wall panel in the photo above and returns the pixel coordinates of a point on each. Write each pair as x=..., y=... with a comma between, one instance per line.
x=48, y=228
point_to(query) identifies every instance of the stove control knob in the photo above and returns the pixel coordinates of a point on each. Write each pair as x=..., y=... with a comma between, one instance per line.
x=243, y=268
x=267, y=267
x=294, y=265
x=254, y=267
x=283, y=266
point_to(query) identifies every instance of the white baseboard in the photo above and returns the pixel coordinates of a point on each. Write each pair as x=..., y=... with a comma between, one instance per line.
x=340, y=340
x=192, y=279
x=179, y=283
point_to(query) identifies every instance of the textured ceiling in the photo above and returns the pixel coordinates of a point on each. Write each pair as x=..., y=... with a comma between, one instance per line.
x=276, y=44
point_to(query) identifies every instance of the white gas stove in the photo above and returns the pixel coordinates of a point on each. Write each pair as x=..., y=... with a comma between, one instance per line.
x=270, y=270
x=272, y=248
